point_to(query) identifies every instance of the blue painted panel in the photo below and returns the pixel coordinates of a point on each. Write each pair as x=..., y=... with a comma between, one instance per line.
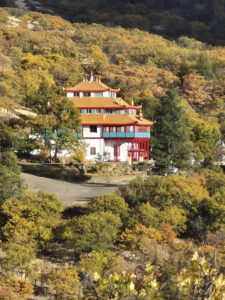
x=93, y=111
x=121, y=134
x=103, y=111
x=142, y=135
x=129, y=134
x=113, y=134
x=106, y=134
x=54, y=134
x=118, y=112
x=83, y=111
x=77, y=134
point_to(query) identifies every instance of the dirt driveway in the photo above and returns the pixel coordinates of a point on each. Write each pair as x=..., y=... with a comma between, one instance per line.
x=69, y=193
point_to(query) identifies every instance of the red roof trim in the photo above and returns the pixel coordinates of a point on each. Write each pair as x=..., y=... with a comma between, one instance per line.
x=111, y=124
x=89, y=91
x=107, y=107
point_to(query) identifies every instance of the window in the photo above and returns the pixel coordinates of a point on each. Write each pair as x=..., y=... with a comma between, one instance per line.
x=108, y=111
x=142, y=129
x=106, y=129
x=93, y=151
x=98, y=94
x=129, y=129
x=113, y=129
x=76, y=94
x=93, y=129
x=132, y=112
x=98, y=111
x=120, y=129
x=87, y=94
x=88, y=111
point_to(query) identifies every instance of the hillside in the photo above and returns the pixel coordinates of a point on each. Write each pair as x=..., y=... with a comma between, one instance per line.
x=200, y=19
x=36, y=48
x=160, y=237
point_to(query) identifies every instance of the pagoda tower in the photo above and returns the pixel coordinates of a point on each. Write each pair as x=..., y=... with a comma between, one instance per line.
x=111, y=128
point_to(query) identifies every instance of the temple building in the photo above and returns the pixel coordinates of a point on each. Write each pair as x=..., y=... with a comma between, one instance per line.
x=112, y=129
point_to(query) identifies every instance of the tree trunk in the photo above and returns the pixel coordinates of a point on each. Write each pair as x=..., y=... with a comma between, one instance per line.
x=56, y=153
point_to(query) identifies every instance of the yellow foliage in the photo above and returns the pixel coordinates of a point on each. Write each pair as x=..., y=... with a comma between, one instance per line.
x=65, y=282
x=131, y=238
x=19, y=287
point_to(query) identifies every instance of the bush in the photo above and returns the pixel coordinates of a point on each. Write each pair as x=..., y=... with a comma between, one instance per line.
x=95, y=231
x=110, y=203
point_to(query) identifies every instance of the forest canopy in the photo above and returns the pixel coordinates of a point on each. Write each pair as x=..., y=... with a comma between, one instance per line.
x=201, y=19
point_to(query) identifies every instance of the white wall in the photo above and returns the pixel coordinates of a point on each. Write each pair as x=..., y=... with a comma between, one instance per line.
x=69, y=95
x=106, y=94
x=88, y=134
x=96, y=143
x=124, y=151
x=109, y=147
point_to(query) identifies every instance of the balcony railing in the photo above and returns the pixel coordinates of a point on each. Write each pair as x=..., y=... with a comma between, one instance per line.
x=126, y=134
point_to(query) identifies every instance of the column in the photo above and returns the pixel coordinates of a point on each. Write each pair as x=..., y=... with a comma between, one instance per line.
x=117, y=150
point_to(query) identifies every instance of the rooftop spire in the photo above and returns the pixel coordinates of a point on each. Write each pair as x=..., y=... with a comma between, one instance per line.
x=91, y=77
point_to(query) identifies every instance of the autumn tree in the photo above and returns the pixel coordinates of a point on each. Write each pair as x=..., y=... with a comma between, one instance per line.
x=171, y=133
x=200, y=279
x=65, y=283
x=35, y=214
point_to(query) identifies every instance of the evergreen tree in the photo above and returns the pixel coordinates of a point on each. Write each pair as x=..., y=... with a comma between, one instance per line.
x=204, y=66
x=170, y=134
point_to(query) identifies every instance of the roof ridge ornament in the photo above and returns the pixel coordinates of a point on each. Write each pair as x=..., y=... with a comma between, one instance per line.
x=92, y=78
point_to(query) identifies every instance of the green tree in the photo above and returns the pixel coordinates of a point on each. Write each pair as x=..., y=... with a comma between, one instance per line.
x=170, y=142
x=204, y=137
x=9, y=160
x=96, y=262
x=7, y=138
x=57, y=121
x=111, y=203
x=10, y=184
x=204, y=66
x=14, y=137
x=18, y=253
x=149, y=105
x=152, y=217
x=95, y=231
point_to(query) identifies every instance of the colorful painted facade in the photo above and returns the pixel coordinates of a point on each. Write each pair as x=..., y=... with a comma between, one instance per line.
x=112, y=129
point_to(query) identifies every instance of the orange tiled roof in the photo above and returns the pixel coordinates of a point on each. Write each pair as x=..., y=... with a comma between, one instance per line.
x=95, y=119
x=90, y=86
x=99, y=102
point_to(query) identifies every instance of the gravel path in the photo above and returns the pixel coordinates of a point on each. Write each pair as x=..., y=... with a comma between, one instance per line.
x=70, y=193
